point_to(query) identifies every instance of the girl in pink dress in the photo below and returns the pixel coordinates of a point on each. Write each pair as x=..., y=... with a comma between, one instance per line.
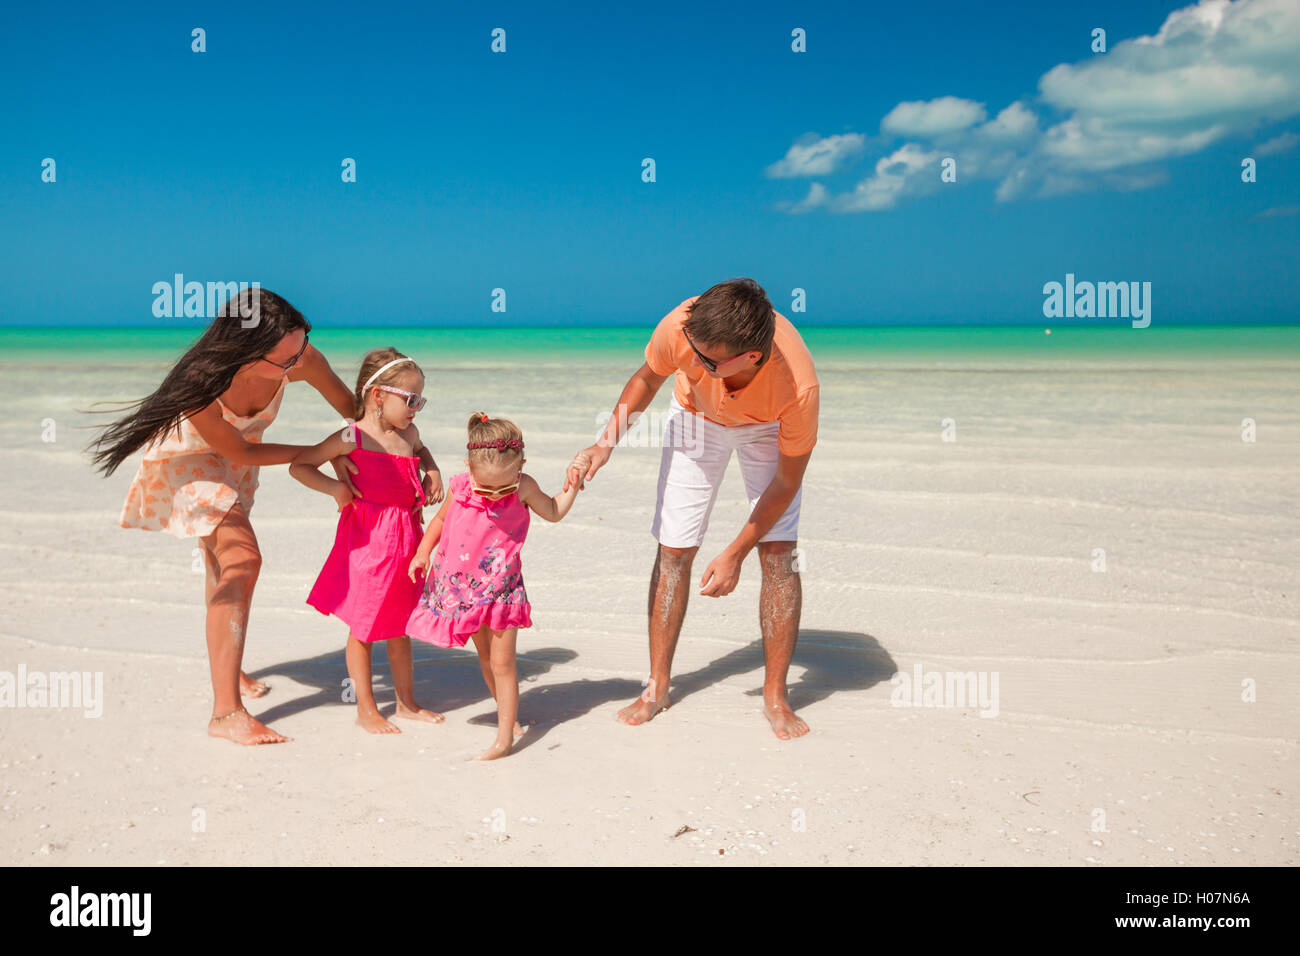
x=364, y=582
x=475, y=588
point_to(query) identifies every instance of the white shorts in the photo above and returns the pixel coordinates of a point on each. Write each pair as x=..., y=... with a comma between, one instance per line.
x=696, y=453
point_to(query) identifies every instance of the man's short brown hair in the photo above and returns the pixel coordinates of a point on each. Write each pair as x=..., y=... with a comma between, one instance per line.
x=734, y=315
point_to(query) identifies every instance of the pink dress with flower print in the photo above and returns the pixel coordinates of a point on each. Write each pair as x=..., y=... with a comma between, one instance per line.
x=475, y=575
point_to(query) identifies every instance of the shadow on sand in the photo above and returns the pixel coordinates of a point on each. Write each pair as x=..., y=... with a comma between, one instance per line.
x=825, y=662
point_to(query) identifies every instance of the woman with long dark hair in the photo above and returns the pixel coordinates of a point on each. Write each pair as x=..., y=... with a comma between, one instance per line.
x=201, y=433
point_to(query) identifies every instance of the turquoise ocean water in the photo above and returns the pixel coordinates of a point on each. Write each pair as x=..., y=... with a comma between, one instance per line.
x=863, y=345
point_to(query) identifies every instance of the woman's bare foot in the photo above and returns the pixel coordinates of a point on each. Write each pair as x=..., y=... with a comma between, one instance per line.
x=642, y=710
x=498, y=749
x=248, y=687
x=374, y=722
x=785, y=723
x=418, y=713
x=243, y=728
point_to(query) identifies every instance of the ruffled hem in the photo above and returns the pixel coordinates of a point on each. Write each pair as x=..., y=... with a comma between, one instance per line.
x=376, y=631
x=425, y=625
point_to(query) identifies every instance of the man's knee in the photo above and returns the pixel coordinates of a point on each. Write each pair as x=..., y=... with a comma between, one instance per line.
x=777, y=558
x=681, y=557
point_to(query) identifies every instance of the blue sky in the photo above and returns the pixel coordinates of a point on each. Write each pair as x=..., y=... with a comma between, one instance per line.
x=522, y=170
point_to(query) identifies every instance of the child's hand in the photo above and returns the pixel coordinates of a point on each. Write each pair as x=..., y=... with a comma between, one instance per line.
x=432, y=486
x=577, y=468
x=343, y=495
x=418, y=563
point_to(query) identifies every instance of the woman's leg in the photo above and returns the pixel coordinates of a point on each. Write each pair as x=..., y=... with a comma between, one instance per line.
x=502, y=660
x=368, y=715
x=400, y=662
x=248, y=687
x=235, y=559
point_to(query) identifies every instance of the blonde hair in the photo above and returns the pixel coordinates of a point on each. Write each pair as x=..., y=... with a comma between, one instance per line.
x=376, y=359
x=483, y=429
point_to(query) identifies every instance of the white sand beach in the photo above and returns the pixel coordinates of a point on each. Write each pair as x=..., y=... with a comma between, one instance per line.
x=1120, y=736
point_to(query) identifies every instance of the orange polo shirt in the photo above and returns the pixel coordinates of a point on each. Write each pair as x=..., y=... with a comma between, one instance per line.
x=785, y=389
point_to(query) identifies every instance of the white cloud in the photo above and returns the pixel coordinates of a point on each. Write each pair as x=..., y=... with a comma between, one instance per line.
x=909, y=171
x=816, y=156
x=947, y=114
x=1214, y=70
x=1015, y=123
x=1282, y=143
x=817, y=196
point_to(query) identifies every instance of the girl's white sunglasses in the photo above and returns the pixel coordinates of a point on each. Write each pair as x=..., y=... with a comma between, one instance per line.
x=413, y=402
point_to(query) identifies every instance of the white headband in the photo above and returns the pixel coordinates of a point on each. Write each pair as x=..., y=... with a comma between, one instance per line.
x=383, y=368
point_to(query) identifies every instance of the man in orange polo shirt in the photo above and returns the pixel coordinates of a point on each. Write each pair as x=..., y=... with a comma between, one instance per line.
x=745, y=382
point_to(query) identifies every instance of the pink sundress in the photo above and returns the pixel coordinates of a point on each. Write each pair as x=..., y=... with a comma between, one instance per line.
x=364, y=582
x=475, y=575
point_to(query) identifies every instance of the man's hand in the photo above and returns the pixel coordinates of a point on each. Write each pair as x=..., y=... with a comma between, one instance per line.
x=597, y=455
x=344, y=469
x=724, y=570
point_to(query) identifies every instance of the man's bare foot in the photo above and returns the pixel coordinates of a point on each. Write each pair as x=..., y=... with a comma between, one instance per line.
x=243, y=728
x=248, y=687
x=375, y=723
x=642, y=710
x=418, y=713
x=785, y=723
x=498, y=749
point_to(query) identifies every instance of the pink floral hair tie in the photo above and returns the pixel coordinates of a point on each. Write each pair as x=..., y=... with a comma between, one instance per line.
x=500, y=444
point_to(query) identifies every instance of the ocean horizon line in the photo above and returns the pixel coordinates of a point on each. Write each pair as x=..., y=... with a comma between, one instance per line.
x=1118, y=323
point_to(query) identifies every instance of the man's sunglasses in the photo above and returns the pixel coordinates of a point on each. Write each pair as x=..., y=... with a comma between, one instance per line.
x=293, y=361
x=707, y=362
x=413, y=402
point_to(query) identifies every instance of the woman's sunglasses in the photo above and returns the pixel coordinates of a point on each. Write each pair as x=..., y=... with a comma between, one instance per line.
x=293, y=361
x=413, y=402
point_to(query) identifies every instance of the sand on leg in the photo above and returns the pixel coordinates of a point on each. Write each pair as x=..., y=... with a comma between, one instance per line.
x=234, y=561
x=669, y=590
x=780, y=603
x=248, y=687
x=359, y=670
x=402, y=666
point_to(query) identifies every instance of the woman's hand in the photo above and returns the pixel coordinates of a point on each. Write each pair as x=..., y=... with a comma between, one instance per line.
x=344, y=469
x=418, y=563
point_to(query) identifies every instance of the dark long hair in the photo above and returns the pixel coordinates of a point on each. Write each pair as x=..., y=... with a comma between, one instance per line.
x=200, y=375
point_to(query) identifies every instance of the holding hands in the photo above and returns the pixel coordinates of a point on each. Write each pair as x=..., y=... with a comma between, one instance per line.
x=585, y=464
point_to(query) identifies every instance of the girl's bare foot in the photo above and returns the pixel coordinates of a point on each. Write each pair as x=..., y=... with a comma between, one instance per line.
x=418, y=713
x=375, y=723
x=243, y=728
x=498, y=749
x=248, y=687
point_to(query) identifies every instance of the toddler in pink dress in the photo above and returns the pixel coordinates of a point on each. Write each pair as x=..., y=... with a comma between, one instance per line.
x=474, y=589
